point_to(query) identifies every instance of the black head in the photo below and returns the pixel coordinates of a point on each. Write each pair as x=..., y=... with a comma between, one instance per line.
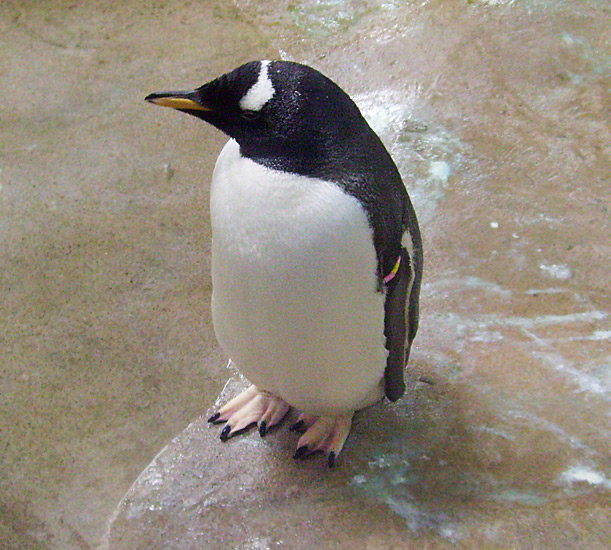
x=275, y=110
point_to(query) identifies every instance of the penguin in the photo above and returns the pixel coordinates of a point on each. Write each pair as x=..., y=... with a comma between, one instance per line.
x=316, y=252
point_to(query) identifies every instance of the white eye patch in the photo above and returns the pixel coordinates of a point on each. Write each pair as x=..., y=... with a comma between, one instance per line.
x=260, y=93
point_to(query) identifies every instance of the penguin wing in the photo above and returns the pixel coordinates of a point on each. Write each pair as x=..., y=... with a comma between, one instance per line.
x=400, y=323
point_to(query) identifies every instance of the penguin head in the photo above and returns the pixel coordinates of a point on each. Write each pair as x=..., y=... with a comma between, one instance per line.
x=272, y=108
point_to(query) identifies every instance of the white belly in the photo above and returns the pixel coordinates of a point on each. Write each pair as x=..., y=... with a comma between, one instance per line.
x=294, y=300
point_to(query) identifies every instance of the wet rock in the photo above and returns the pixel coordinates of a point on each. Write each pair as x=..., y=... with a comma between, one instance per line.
x=411, y=473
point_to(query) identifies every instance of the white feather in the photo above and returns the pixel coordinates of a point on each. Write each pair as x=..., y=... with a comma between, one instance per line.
x=261, y=91
x=294, y=300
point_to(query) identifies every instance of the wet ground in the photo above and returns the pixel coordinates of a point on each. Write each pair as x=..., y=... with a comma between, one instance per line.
x=497, y=113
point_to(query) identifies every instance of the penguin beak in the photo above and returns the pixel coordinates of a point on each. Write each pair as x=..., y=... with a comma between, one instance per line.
x=182, y=101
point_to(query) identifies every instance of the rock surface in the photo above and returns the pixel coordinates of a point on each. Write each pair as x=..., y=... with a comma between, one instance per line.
x=497, y=113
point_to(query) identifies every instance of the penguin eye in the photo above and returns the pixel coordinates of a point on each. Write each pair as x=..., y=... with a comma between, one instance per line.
x=250, y=115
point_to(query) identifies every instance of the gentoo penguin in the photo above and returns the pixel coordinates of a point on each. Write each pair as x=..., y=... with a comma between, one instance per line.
x=316, y=252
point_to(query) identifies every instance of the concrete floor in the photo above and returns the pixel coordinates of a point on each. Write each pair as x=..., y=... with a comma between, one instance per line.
x=497, y=113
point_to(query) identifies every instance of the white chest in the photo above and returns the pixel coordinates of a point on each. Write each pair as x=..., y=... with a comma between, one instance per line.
x=294, y=301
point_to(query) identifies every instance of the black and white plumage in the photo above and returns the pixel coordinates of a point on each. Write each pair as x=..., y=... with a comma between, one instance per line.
x=316, y=251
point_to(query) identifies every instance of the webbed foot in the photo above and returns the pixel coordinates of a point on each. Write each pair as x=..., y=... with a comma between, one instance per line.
x=252, y=406
x=325, y=434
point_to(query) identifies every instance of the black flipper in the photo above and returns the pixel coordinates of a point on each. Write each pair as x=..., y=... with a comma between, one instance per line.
x=400, y=324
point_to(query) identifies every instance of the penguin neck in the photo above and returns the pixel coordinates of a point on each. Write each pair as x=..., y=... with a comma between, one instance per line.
x=304, y=165
x=326, y=158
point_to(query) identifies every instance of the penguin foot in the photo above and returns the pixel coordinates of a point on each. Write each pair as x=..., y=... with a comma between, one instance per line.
x=252, y=406
x=325, y=434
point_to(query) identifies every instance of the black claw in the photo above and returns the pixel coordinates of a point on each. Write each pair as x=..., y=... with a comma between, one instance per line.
x=225, y=433
x=214, y=417
x=332, y=459
x=263, y=428
x=301, y=452
x=298, y=426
